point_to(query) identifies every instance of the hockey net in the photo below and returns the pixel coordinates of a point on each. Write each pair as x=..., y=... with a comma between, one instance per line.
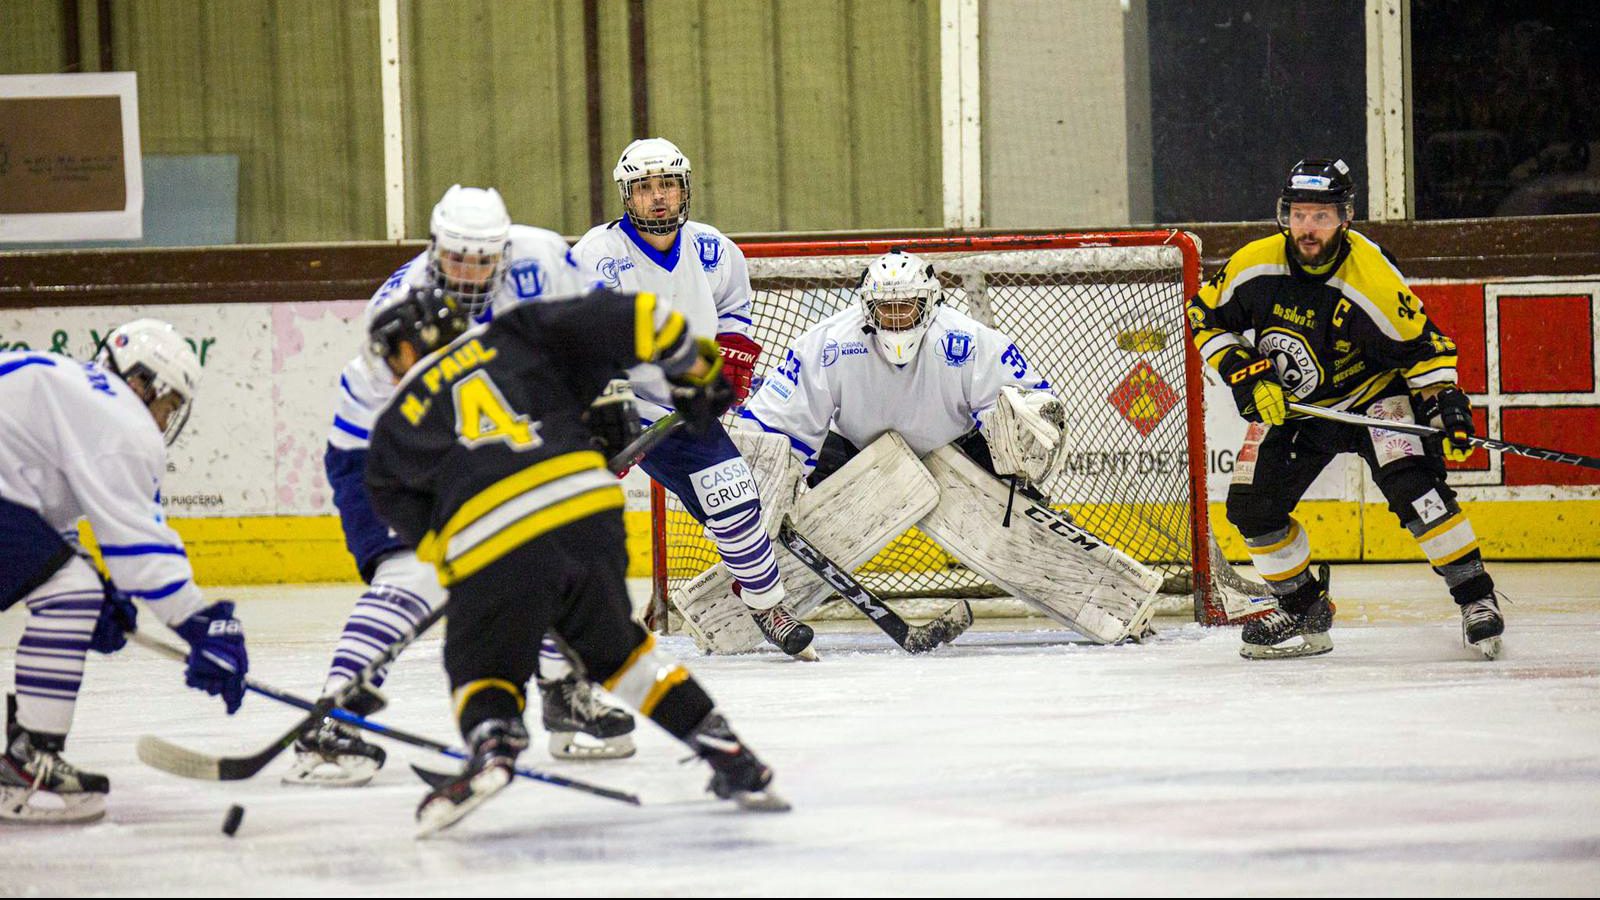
x=1101, y=316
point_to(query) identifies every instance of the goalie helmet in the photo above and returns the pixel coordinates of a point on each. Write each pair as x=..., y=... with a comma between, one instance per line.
x=1318, y=181
x=646, y=158
x=469, y=231
x=155, y=353
x=899, y=294
x=427, y=318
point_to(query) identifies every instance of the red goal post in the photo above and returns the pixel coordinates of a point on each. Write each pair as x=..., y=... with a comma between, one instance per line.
x=1101, y=316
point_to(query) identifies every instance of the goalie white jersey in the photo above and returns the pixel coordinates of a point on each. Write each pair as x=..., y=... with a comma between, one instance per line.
x=539, y=266
x=835, y=374
x=704, y=276
x=76, y=442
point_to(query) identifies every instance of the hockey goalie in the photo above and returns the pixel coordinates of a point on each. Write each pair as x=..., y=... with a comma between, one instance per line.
x=901, y=411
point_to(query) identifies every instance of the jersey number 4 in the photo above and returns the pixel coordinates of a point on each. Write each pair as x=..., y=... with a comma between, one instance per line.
x=483, y=416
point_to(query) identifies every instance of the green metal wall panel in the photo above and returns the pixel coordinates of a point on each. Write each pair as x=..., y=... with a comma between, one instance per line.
x=31, y=37
x=802, y=115
x=289, y=86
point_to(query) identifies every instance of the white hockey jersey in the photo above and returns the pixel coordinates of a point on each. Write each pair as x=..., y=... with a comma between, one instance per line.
x=836, y=374
x=704, y=276
x=539, y=265
x=75, y=442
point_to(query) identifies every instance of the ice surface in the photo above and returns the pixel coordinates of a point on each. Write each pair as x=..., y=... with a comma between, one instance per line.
x=1015, y=762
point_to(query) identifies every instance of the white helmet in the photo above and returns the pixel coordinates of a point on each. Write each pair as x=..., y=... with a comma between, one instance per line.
x=642, y=159
x=899, y=278
x=469, y=222
x=155, y=352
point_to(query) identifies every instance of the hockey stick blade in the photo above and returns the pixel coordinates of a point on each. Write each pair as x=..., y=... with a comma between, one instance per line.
x=169, y=757
x=913, y=639
x=433, y=779
x=1528, y=450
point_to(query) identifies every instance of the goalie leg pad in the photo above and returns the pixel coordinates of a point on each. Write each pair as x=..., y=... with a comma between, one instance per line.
x=1055, y=566
x=851, y=516
x=856, y=512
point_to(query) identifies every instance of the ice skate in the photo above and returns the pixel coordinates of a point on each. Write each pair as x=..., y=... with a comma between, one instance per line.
x=333, y=755
x=1482, y=625
x=495, y=744
x=37, y=786
x=581, y=725
x=1263, y=638
x=785, y=632
x=737, y=774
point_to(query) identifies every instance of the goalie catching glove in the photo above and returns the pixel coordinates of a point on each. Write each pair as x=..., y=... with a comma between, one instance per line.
x=1256, y=389
x=1025, y=431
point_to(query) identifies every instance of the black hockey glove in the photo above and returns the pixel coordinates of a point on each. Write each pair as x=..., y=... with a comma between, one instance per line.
x=702, y=399
x=1450, y=410
x=612, y=418
x=1256, y=389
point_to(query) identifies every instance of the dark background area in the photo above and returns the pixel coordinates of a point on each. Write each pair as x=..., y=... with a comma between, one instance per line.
x=1242, y=90
x=1505, y=107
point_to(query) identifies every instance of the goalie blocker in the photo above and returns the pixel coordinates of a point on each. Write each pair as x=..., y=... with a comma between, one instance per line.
x=1042, y=558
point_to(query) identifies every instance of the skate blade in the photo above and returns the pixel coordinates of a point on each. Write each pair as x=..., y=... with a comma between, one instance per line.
x=761, y=801
x=1313, y=645
x=809, y=654
x=441, y=814
x=326, y=773
x=566, y=745
x=1489, y=647
x=17, y=805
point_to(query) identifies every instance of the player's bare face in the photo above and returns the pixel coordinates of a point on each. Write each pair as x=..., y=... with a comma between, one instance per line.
x=656, y=197
x=468, y=270
x=162, y=409
x=1314, y=230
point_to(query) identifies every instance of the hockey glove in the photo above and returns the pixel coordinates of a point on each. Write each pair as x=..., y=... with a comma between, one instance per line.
x=612, y=418
x=1256, y=389
x=1450, y=410
x=702, y=399
x=117, y=618
x=217, y=657
x=739, y=355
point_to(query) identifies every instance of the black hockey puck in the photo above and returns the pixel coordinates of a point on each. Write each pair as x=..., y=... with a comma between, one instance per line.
x=230, y=824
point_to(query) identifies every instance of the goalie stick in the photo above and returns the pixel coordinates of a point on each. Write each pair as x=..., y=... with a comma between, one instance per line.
x=169, y=757
x=913, y=638
x=404, y=737
x=1528, y=450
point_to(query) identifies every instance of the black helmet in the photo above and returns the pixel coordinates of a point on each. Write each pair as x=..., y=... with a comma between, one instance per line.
x=427, y=318
x=1318, y=181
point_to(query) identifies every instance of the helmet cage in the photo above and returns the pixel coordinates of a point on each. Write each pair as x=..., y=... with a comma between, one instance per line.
x=666, y=224
x=469, y=230
x=646, y=158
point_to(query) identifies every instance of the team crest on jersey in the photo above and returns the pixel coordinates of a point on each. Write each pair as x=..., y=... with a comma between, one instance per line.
x=611, y=269
x=830, y=353
x=1297, y=366
x=526, y=278
x=957, y=348
x=710, y=250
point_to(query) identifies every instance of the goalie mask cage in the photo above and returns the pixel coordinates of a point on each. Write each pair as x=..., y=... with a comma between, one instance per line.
x=1101, y=316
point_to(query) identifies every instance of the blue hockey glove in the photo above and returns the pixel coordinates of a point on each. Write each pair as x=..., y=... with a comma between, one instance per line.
x=217, y=657
x=117, y=618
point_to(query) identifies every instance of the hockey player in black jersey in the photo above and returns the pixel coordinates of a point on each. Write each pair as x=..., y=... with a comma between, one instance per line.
x=484, y=459
x=1320, y=314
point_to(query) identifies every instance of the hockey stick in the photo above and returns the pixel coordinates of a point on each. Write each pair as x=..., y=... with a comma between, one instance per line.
x=1528, y=450
x=170, y=757
x=404, y=737
x=913, y=638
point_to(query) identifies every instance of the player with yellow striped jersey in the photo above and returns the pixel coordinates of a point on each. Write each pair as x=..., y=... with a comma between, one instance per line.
x=1319, y=314
x=485, y=460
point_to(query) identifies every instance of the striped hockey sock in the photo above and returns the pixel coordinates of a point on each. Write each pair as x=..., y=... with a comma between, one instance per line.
x=61, y=618
x=383, y=615
x=746, y=550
